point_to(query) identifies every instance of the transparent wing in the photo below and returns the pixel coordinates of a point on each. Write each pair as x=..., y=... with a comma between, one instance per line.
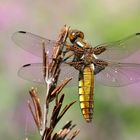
x=33, y=43
x=120, y=49
x=119, y=74
x=34, y=72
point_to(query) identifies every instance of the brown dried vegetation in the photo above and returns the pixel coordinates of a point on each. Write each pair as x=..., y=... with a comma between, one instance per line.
x=51, y=72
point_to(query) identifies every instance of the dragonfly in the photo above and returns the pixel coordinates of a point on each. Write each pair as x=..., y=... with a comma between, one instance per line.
x=85, y=63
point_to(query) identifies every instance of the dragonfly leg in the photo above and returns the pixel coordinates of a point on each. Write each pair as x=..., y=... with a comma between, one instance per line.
x=68, y=46
x=66, y=58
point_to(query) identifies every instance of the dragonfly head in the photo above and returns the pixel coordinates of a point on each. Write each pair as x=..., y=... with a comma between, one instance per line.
x=74, y=34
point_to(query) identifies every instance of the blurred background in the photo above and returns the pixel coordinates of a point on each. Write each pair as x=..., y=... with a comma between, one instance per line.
x=117, y=110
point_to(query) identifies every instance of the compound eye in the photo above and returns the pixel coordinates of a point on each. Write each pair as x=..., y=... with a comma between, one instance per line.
x=80, y=34
x=74, y=34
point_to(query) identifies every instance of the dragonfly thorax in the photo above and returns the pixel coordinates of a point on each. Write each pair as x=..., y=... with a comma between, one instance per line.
x=88, y=58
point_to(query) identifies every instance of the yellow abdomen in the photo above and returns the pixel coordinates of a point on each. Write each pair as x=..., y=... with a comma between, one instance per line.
x=86, y=89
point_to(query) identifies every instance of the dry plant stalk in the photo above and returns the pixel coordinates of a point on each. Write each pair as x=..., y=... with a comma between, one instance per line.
x=51, y=72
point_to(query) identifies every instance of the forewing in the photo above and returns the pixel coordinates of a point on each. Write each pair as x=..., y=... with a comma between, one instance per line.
x=120, y=49
x=119, y=74
x=33, y=43
x=34, y=72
